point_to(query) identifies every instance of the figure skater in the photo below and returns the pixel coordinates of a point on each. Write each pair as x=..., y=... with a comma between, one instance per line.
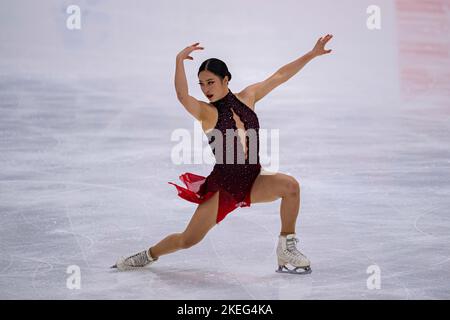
x=235, y=183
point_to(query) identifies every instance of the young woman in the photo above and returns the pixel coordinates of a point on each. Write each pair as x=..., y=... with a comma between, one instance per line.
x=234, y=183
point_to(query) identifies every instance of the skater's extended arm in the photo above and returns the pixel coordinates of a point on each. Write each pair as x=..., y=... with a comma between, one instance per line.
x=258, y=90
x=192, y=105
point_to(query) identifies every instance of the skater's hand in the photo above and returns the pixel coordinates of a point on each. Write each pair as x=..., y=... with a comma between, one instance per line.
x=185, y=53
x=319, y=48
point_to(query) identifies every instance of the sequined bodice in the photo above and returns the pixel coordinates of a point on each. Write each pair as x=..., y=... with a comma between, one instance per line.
x=226, y=126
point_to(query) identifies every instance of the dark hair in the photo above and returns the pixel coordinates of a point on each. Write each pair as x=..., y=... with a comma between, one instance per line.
x=216, y=66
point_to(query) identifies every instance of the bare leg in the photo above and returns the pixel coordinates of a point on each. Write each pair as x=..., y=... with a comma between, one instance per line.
x=268, y=188
x=202, y=221
x=289, y=209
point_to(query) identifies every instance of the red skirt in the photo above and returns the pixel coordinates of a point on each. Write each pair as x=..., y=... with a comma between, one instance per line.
x=199, y=189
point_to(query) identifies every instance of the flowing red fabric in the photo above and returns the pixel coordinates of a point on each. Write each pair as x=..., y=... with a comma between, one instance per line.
x=195, y=193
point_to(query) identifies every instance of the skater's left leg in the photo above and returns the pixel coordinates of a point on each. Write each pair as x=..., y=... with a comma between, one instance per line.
x=267, y=188
x=270, y=187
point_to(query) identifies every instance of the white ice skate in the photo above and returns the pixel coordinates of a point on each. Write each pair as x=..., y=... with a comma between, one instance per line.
x=135, y=261
x=287, y=253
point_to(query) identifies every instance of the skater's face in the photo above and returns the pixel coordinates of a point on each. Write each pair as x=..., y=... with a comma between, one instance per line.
x=213, y=87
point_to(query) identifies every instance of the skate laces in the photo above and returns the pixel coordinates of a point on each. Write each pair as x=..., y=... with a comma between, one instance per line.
x=291, y=246
x=137, y=260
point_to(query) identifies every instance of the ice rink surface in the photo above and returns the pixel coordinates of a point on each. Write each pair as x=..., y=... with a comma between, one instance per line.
x=86, y=118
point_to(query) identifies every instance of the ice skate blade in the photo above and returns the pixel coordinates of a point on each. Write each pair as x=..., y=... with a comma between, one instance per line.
x=284, y=269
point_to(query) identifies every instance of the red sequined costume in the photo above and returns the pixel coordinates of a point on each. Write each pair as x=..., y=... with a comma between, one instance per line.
x=233, y=179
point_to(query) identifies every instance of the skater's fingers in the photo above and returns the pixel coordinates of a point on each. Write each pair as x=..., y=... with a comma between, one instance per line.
x=196, y=48
x=327, y=38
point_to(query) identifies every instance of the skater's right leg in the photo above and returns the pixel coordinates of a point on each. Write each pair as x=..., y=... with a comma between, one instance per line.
x=202, y=221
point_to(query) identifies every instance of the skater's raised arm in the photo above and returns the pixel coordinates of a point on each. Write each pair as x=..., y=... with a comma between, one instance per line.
x=192, y=105
x=258, y=90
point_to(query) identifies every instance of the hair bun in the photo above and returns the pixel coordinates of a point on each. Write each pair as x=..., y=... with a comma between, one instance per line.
x=216, y=66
